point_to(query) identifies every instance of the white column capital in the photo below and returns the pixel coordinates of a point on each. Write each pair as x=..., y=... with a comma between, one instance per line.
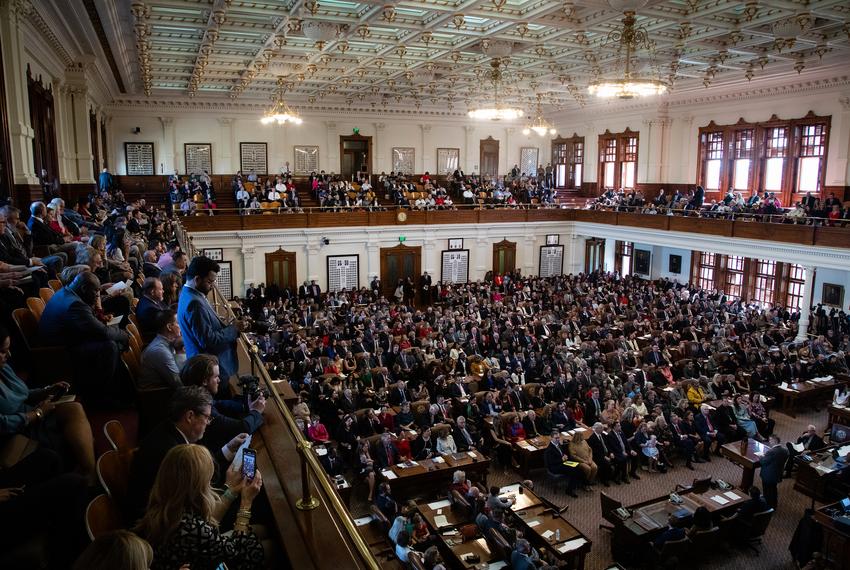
x=380, y=126
x=166, y=121
x=225, y=121
x=844, y=100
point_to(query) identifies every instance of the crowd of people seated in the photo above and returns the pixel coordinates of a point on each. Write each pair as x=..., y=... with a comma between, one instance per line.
x=760, y=206
x=517, y=189
x=104, y=317
x=658, y=374
x=254, y=195
x=190, y=193
x=430, y=194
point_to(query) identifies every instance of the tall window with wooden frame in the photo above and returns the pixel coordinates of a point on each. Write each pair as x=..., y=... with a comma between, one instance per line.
x=608, y=163
x=712, y=161
x=775, y=153
x=618, y=158
x=765, y=281
x=706, y=267
x=734, y=277
x=810, y=157
x=796, y=282
x=742, y=160
x=623, y=253
x=568, y=161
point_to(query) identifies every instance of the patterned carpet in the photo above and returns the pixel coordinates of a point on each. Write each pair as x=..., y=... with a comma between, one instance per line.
x=584, y=512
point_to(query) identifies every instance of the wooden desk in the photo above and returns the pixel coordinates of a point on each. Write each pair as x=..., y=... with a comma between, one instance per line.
x=461, y=550
x=524, y=500
x=541, y=528
x=817, y=478
x=430, y=475
x=453, y=517
x=530, y=452
x=838, y=415
x=707, y=500
x=836, y=537
x=808, y=390
x=749, y=459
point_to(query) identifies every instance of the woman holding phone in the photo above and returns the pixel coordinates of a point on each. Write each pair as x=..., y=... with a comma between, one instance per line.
x=182, y=519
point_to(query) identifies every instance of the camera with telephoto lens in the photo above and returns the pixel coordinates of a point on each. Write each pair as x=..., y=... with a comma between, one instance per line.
x=251, y=389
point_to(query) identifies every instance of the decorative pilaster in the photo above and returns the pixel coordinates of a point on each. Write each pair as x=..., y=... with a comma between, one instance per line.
x=248, y=265
x=470, y=151
x=382, y=163
x=429, y=262
x=225, y=162
x=424, y=161
x=528, y=256
x=170, y=159
x=839, y=175
x=373, y=260
x=333, y=146
x=806, y=304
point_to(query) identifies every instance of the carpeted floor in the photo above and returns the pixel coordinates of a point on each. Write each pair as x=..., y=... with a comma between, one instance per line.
x=584, y=512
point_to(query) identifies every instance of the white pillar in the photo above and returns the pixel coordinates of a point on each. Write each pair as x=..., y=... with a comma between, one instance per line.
x=225, y=147
x=528, y=255
x=373, y=260
x=470, y=151
x=379, y=161
x=333, y=163
x=248, y=268
x=169, y=155
x=806, y=305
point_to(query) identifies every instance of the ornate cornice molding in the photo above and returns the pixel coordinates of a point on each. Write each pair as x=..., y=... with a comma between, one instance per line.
x=29, y=13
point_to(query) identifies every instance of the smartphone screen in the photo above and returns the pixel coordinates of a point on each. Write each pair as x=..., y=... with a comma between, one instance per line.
x=249, y=463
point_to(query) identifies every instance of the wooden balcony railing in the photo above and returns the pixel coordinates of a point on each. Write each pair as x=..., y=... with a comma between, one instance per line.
x=744, y=227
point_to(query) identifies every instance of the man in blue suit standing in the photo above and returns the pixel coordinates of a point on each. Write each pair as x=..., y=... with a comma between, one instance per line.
x=772, y=466
x=203, y=330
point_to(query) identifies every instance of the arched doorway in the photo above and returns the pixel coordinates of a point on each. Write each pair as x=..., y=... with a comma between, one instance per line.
x=504, y=257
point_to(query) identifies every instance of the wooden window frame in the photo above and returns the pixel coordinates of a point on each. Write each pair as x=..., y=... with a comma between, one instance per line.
x=570, y=152
x=624, y=251
x=794, y=151
x=624, y=152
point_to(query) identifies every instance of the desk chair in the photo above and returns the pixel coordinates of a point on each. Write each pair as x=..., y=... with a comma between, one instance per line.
x=36, y=306
x=754, y=530
x=609, y=505
x=706, y=542
x=46, y=293
x=102, y=517
x=115, y=435
x=671, y=553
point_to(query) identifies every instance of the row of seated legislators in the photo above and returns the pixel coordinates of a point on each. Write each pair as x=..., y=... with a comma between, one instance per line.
x=106, y=329
x=659, y=374
x=761, y=205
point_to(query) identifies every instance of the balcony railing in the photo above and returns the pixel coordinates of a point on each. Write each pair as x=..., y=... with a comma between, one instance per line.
x=744, y=226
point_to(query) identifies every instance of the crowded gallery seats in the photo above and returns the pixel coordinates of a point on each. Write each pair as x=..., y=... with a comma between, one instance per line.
x=523, y=285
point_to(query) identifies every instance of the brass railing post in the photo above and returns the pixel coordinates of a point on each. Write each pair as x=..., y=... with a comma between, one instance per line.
x=307, y=502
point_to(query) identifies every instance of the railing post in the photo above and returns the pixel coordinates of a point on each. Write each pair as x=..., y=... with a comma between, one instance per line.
x=307, y=502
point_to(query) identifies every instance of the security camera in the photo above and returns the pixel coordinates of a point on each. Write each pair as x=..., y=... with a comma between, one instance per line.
x=136, y=130
x=325, y=241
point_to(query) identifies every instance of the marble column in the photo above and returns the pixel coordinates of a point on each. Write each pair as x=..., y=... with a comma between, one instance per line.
x=169, y=155
x=528, y=256
x=380, y=162
x=226, y=144
x=806, y=305
x=373, y=260
x=470, y=151
x=333, y=163
x=249, y=267
x=425, y=156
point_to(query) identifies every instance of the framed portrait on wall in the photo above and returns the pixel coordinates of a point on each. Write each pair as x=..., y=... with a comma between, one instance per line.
x=448, y=160
x=833, y=295
x=306, y=159
x=198, y=158
x=455, y=243
x=139, y=158
x=253, y=156
x=675, y=264
x=404, y=159
x=643, y=259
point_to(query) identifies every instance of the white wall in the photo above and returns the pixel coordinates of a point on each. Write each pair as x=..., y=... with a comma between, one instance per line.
x=833, y=276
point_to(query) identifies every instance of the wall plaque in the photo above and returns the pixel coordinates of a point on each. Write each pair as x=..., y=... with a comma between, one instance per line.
x=448, y=160
x=528, y=157
x=198, y=157
x=404, y=159
x=551, y=260
x=455, y=267
x=306, y=159
x=139, y=159
x=225, y=279
x=253, y=156
x=343, y=272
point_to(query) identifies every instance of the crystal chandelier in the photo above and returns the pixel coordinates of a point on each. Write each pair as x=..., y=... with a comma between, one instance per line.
x=498, y=111
x=540, y=125
x=630, y=39
x=280, y=112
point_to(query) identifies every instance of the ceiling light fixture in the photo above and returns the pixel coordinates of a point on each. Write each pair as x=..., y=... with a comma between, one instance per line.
x=630, y=39
x=498, y=111
x=540, y=125
x=280, y=112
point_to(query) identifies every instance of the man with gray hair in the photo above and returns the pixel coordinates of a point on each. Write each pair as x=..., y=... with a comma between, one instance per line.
x=69, y=320
x=18, y=242
x=45, y=236
x=602, y=455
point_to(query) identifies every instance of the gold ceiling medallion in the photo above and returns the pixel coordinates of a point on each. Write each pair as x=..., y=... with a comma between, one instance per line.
x=388, y=13
x=751, y=8
x=312, y=6
x=458, y=20
x=522, y=29
x=499, y=4
x=364, y=32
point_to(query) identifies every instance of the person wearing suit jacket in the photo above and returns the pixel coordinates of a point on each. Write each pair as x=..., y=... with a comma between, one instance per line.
x=385, y=452
x=190, y=410
x=602, y=455
x=465, y=435
x=424, y=446
x=625, y=458
x=532, y=424
x=203, y=331
x=593, y=409
x=69, y=320
x=708, y=432
x=399, y=394
x=772, y=465
x=43, y=235
x=553, y=459
x=150, y=304
x=810, y=440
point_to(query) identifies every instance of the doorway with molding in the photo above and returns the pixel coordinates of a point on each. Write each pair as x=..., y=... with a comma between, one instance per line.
x=355, y=155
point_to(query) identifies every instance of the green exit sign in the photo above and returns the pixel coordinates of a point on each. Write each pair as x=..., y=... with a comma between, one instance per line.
x=402, y=238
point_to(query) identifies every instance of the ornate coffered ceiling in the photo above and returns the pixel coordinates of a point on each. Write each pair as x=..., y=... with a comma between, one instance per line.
x=433, y=54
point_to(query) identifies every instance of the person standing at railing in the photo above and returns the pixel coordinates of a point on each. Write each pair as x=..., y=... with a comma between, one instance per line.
x=203, y=330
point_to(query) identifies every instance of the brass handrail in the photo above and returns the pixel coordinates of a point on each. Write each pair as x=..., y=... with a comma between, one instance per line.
x=308, y=458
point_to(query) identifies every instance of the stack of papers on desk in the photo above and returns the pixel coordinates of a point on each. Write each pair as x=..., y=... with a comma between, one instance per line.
x=438, y=460
x=842, y=451
x=719, y=499
x=407, y=464
x=439, y=505
x=532, y=524
x=573, y=544
x=525, y=445
x=389, y=474
x=320, y=451
x=732, y=495
x=441, y=520
x=471, y=454
x=798, y=447
x=822, y=379
x=362, y=521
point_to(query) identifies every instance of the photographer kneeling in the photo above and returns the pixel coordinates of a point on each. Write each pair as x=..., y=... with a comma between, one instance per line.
x=229, y=418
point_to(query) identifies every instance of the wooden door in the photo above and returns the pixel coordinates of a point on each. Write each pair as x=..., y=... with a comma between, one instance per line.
x=594, y=254
x=399, y=262
x=355, y=153
x=504, y=257
x=490, y=157
x=280, y=269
